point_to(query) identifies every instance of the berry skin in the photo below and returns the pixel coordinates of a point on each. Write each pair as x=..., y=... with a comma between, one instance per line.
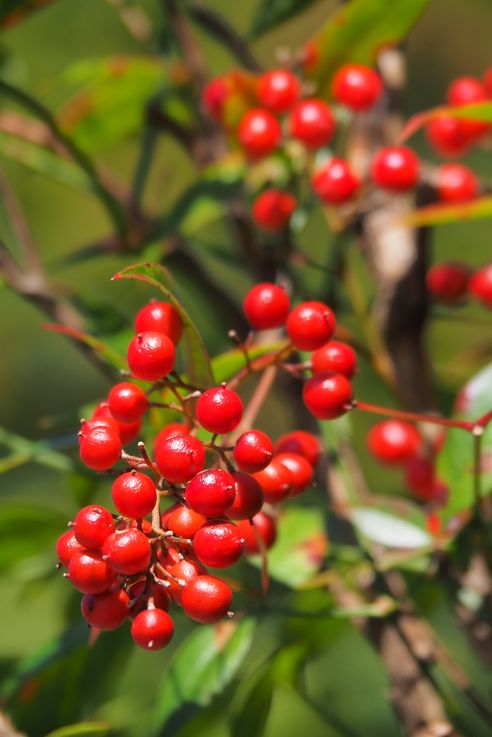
x=152, y=629
x=487, y=80
x=278, y=90
x=151, y=356
x=127, y=551
x=160, y=317
x=206, y=599
x=137, y=592
x=393, y=442
x=182, y=520
x=92, y=525
x=312, y=122
x=309, y=56
x=301, y=470
x=179, y=458
x=66, y=546
x=211, y=492
x=357, y=86
x=127, y=402
x=184, y=570
x=328, y=395
x=89, y=573
x=218, y=544
x=219, y=410
x=448, y=282
x=456, y=183
x=335, y=356
x=276, y=481
x=266, y=306
x=481, y=286
x=174, y=428
x=99, y=446
x=248, y=499
x=259, y=133
x=310, y=325
x=334, y=182
x=127, y=431
x=273, y=208
x=465, y=91
x=253, y=451
x=106, y=611
x=262, y=526
x=447, y=135
x=420, y=477
x=395, y=168
x=300, y=442
x=214, y=95
x=134, y=494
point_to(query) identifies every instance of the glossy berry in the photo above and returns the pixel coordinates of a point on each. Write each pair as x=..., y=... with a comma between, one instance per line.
x=357, y=86
x=218, y=544
x=420, y=477
x=481, y=286
x=160, y=317
x=151, y=356
x=266, y=306
x=334, y=182
x=182, y=520
x=185, y=571
x=248, y=499
x=328, y=395
x=278, y=90
x=134, y=494
x=99, y=446
x=127, y=402
x=152, y=629
x=106, y=611
x=219, y=410
x=179, y=458
x=127, y=431
x=273, y=208
x=395, y=168
x=335, y=356
x=312, y=122
x=127, y=551
x=447, y=135
x=301, y=470
x=92, y=525
x=487, y=80
x=89, y=573
x=259, y=133
x=456, y=183
x=466, y=91
x=253, y=451
x=210, y=492
x=310, y=325
x=301, y=442
x=258, y=533
x=215, y=94
x=393, y=442
x=67, y=545
x=174, y=428
x=206, y=599
x=275, y=481
x=447, y=282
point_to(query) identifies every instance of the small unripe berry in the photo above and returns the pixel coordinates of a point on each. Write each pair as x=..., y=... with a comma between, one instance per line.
x=89, y=573
x=357, y=86
x=334, y=182
x=211, y=492
x=92, y=525
x=160, y=317
x=253, y=451
x=151, y=356
x=206, y=599
x=481, y=286
x=105, y=611
x=448, y=282
x=179, y=458
x=393, y=442
x=335, y=356
x=273, y=208
x=218, y=544
x=261, y=530
x=301, y=470
x=278, y=90
x=127, y=551
x=312, y=122
x=134, y=494
x=219, y=410
x=152, y=629
x=259, y=133
x=276, y=481
x=310, y=325
x=300, y=442
x=456, y=183
x=127, y=402
x=266, y=306
x=395, y=168
x=328, y=395
x=248, y=499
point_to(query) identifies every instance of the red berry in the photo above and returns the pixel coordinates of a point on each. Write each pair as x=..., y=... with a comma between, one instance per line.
x=92, y=525
x=210, y=492
x=266, y=306
x=447, y=135
x=357, y=86
x=127, y=402
x=393, y=441
x=184, y=571
x=160, y=317
x=182, y=520
x=151, y=356
x=433, y=523
x=259, y=133
x=456, y=183
x=334, y=182
x=481, y=286
x=300, y=442
x=106, y=611
x=310, y=325
x=253, y=451
x=219, y=410
x=420, y=477
x=206, y=599
x=89, y=573
x=127, y=551
x=152, y=629
x=259, y=530
x=272, y=209
x=134, y=494
x=179, y=458
x=327, y=395
x=301, y=470
x=276, y=481
x=66, y=546
x=487, y=80
x=174, y=428
x=465, y=91
x=139, y=596
x=395, y=168
x=218, y=544
x=448, y=282
x=278, y=90
x=312, y=122
x=214, y=95
x=127, y=431
x=248, y=499
x=309, y=56
x=100, y=446
x=335, y=356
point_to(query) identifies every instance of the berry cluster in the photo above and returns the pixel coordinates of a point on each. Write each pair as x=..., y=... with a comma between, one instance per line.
x=453, y=282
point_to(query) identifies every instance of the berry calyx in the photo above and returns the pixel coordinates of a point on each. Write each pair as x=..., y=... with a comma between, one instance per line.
x=259, y=532
x=152, y=629
x=253, y=451
x=266, y=306
x=127, y=551
x=127, y=402
x=396, y=169
x=92, y=525
x=312, y=122
x=481, y=286
x=301, y=442
x=259, y=133
x=219, y=410
x=278, y=90
x=106, y=611
x=273, y=208
x=335, y=356
x=393, y=442
x=160, y=317
x=206, y=599
x=448, y=282
x=357, y=86
x=179, y=457
x=134, y=494
x=151, y=356
x=89, y=573
x=334, y=182
x=218, y=544
x=100, y=445
x=327, y=395
x=310, y=325
x=456, y=183
x=211, y=492
x=301, y=470
x=248, y=499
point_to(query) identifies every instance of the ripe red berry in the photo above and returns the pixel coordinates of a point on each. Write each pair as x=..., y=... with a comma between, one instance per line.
x=185, y=571
x=261, y=530
x=312, y=122
x=448, y=282
x=273, y=208
x=134, y=494
x=174, y=428
x=481, y=286
x=89, y=573
x=211, y=492
x=127, y=402
x=487, y=80
x=99, y=446
x=327, y=395
x=92, y=525
x=420, y=476
x=335, y=356
x=310, y=325
x=179, y=458
x=127, y=551
x=278, y=90
x=266, y=306
x=151, y=356
x=275, y=481
x=465, y=91
x=160, y=317
x=248, y=499
x=259, y=133
x=127, y=431
x=395, y=168
x=447, y=135
x=66, y=546
x=300, y=442
x=215, y=93
x=357, y=86
x=456, y=183
x=182, y=520
x=253, y=451
x=301, y=470
x=393, y=441
x=219, y=410
x=206, y=599
x=106, y=611
x=218, y=544
x=152, y=629
x=334, y=182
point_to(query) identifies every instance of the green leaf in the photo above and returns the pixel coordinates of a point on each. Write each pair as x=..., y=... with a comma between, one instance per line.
x=27, y=529
x=202, y=667
x=388, y=530
x=228, y=364
x=112, y=357
x=481, y=111
x=250, y=720
x=15, y=11
x=25, y=451
x=197, y=360
x=441, y=214
x=82, y=729
x=270, y=13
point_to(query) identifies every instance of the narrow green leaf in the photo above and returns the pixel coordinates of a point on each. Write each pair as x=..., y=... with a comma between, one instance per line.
x=82, y=729
x=481, y=111
x=24, y=450
x=26, y=530
x=250, y=720
x=441, y=214
x=388, y=530
x=111, y=356
x=270, y=13
x=227, y=364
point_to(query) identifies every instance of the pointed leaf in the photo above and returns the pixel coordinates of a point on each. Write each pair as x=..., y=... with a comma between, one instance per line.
x=388, y=530
x=43, y=524
x=478, y=209
x=111, y=357
x=481, y=111
x=271, y=13
x=82, y=729
x=227, y=364
x=250, y=720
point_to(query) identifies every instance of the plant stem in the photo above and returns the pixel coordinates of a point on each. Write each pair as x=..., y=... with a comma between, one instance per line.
x=413, y=416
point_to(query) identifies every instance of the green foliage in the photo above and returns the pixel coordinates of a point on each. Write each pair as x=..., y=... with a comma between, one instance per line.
x=270, y=13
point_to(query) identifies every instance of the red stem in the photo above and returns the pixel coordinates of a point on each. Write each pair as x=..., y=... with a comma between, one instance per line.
x=414, y=416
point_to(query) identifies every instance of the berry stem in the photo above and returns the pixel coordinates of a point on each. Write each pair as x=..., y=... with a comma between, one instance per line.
x=477, y=468
x=413, y=416
x=255, y=403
